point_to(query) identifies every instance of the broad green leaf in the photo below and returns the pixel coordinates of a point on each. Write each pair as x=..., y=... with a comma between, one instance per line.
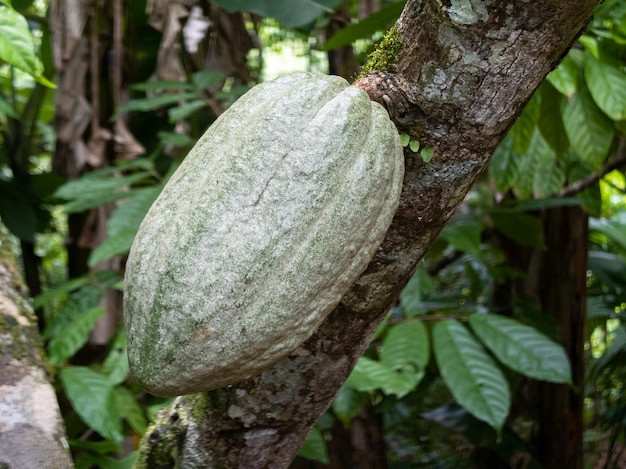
x=130, y=214
x=369, y=375
x=522, y=348
x=86, y=297
x=565, y=77
x=524, y=127
x=115, y=365
x=86, y=185
x=174, y=138
x=520, y=227
x=73, y=336
x=164, y=85
x=464, y=235
x=206, y=79
x=6, y=108
x=504, y=165
x=347, y=403
x=314, y=447
x=406, y=346
x=378, y=21
x=89, y=192
x=185, y=110
x=411, y=297
x=130, y=410
x=589, y=130
x=119, y=243
x=607, y=85
x=153, y=102
x=291, y=13
x=405, y=139
x=471, y=375
x=16, y=42
x=61, y=290
x=550, y=118
x=91, y=395
x=614, y=229
x=548, y=176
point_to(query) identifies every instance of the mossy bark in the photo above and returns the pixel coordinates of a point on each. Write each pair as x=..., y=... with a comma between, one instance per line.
x=31, y=427
x=461, y=76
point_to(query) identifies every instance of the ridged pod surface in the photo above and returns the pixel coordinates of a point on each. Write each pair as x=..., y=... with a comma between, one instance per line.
x=269, y=220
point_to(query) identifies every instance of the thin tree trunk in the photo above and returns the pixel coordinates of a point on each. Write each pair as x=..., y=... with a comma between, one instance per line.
x=562, y=292
x=455, y=79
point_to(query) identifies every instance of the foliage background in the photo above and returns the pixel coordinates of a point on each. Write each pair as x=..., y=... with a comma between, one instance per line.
x=471, y=333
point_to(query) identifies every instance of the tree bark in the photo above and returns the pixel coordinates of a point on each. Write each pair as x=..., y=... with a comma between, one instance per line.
x=455, y=78
x=31, y=427
x=562, y=292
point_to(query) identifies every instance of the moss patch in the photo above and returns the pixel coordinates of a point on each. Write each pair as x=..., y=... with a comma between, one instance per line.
x=384, y=57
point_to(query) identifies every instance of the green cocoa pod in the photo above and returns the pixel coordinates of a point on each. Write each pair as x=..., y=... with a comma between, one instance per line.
x=269, y=220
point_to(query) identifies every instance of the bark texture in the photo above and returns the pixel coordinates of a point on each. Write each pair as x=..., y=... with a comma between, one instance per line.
x=31, y=428
x=454, y=75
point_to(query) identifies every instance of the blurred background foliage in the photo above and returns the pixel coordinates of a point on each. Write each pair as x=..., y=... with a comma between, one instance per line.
x=511, y=329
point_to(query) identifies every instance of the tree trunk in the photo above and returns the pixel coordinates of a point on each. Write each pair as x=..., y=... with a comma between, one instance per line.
x=31, y=427
x=454, y=78
x=562, y=293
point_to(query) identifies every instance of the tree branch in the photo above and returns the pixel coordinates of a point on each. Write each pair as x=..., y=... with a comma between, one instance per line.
x=617, y=162
x=455, y=79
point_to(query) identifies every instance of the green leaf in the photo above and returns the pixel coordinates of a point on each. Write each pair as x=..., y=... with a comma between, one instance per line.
x=119, y=243
x=291, y=13
x=81, y=300
x=89, y=192
x=128, y=216
x=565, y=77
x=405, y=139
x=607, y=85
x=152, y=103
x=347, y=403
x=7, y=109
x=406, y=346
x=411, y=297
x=314, y=447
x=63, y=289
x=464, y=235
x=379, y=21
x=170, y=85
x=414, y=145
x=471, y=375
x=174, y=138
x=73, y=335
x=504, y=165
x=523, y=129
x=185, y=110
x=16, y=42
x=589, y=130
x=551, y=120
x=207, y=79
x=548, y=176
x=92, y=397
x=369, y=375
x=520, y=227
x=613, y=228
x=130, y=410
x=522, y=348
x=115, y=365
x=426, y=154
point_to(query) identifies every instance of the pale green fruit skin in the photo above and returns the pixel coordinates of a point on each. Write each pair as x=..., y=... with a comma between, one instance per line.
x=269, y=220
